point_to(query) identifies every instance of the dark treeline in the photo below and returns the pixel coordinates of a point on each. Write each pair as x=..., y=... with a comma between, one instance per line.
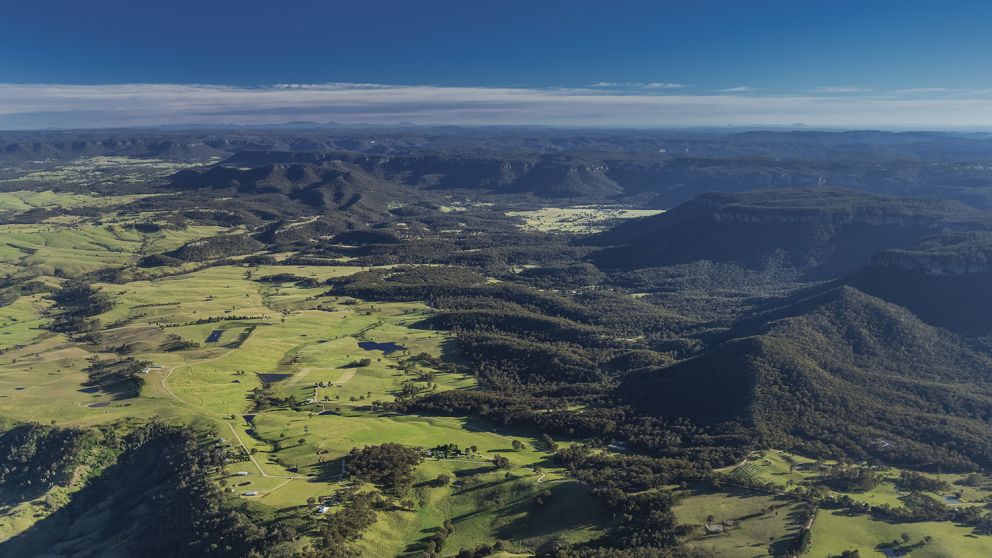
x=124, y=377
x=76, y=301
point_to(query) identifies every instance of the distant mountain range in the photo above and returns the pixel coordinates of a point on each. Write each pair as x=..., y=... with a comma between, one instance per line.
x=660, y=168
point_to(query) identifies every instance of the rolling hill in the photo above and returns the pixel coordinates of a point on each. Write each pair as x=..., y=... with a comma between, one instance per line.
x=835, y=371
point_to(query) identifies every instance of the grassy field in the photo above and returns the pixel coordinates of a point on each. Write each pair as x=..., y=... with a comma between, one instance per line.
x=834, y=532
x=312, y=339
x=788, y=471
x=26, y=200
x=21, y=322
x=581, y=219
x=51, y=248
x=70, y=245
x=95, y=170
x=762, y=524
x=487, y=506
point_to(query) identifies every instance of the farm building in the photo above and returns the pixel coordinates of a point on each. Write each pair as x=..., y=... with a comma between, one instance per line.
x=713, y=529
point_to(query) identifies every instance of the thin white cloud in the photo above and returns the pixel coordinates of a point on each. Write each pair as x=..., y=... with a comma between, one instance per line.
x=843, y=89
x=639, y=85
x=924, y=91
x=738, y=89
x=663, y=85
x=85, y=106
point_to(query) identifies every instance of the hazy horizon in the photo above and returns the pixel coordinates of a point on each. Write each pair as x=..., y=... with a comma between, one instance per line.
x=643, y=64
x=69, y=106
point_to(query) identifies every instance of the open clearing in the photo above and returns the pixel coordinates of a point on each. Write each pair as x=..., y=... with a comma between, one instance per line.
x=754, y=524
x=580, y=219
x=834, y=532
x=262, y=330
x=95, y=170
x=837, y=530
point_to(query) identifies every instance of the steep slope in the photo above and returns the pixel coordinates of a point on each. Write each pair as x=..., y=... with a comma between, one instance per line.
x=821, y=232
x=944, y=280
x=837, y=371
x=156, y=500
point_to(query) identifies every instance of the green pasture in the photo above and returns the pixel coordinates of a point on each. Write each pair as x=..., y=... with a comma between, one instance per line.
x=72, y=249
x=762, y=524
x=100, y=170
x=834, y=531
x=25, y=200
x=580, y=219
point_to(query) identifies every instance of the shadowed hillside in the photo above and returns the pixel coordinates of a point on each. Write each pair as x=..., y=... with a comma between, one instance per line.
x=944, y=280
x=154, y=501
x=838, y=372
x=821, y=232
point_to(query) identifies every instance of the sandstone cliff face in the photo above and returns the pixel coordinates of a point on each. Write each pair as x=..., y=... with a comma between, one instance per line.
x=822, y=233
x=730, y=216
x=950, y=254
x=978, y=262
x=944, y=280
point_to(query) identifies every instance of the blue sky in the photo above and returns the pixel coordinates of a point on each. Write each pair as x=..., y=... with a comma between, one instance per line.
x=843, y=63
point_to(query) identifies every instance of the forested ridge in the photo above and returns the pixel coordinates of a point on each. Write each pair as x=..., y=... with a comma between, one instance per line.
x=840, y=324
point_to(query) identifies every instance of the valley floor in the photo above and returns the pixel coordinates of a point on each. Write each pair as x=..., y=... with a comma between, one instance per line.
x=298, y=343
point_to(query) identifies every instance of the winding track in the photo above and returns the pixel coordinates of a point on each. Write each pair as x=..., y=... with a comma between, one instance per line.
x=345, y=377
x=215, y=416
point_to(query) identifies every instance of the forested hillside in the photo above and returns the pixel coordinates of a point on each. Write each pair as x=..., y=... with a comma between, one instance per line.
x=839, y=372
x=820, y=233
x=366, y=342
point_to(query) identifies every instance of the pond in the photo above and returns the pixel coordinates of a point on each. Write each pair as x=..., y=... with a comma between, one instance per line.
x=386, y=348
x=214, y=335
